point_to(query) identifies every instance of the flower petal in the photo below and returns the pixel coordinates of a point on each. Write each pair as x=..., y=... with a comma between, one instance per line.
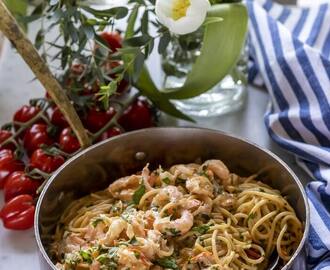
x=195, y=16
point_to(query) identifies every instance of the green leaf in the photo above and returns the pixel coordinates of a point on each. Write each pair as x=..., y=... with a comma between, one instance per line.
x=65, y=56
x=131, y=22
x=115, y=12
x=163, y=42
x=129, y=34
x=147, y=88
x=145, y=22
x=106, y=91
x=210, y=20
x=100, y=41
x=39, y=40
x=17, y=7
x=138, y=194
x=138, y=65
x=137, y=41
x=222, y=46
x=89, y=31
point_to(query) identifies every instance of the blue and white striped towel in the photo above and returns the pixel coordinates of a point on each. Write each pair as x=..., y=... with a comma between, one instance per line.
x=290, y=49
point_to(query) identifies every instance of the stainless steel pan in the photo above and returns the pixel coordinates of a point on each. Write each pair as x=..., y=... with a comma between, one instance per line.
x=94, y=168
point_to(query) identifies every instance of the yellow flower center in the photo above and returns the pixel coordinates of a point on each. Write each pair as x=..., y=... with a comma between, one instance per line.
x=179, y=9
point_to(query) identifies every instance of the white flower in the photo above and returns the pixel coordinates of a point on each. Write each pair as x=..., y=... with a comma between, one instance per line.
x=182, y=16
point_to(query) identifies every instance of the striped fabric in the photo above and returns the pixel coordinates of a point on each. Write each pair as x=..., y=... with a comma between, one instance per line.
x=290, y=49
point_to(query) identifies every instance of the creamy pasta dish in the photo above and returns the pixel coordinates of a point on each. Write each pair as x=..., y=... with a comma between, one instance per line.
x=191, y=216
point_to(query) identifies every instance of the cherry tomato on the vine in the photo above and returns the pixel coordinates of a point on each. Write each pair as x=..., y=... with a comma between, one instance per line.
x=113, y=39
x=58, y=119
x=137, y=116
x=111, y=132
x=18, y=213
x=26, y=113
x=68, y=141
x=8, y=165
x=96, y=119
x=4, y=135
x=36, y=136
x=45, y=162
x=19, y=183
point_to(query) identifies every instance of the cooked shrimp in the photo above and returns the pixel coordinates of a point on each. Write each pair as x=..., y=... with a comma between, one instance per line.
x=204, y=258
x=167, y=178
x=190, y=203
x=205, y=207
x=166, y=195
x=124, y=187
x=118, y=225
x=147, y=247
x=146, y=177
x=225, y=200
x=183, y=171
x=127, y=259
x=74, y=243
x=178, y=226
x=200, y=185
x=197, y=205
x=218, y=168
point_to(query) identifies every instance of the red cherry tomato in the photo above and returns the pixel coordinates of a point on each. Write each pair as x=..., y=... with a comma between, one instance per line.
x=35, y=137
x=26, y=113
x=45, y=162
x=68, y=141
x=8, y=165
x=111, y=132
x=138, y=115
x=18, y=213
x=4, y=135
x=58, y=119
x=96, y=119
x=19, y=183
x=113, y=39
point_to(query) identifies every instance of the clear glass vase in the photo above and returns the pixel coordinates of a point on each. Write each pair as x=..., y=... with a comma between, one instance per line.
x=227, y=96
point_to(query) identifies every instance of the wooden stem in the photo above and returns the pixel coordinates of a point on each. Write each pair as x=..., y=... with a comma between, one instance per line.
x=11, y=29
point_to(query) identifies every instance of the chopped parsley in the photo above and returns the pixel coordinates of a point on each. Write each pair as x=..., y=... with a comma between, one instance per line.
x=137, y=254
x=251, y=216
x=133, y=241
x=167, y=262
x=166, y=180
x=97, y=221
x=172, y=232
x=203, y=173
x=109, y=259
x=138, y=194
x=202, y=229
x=86, y=256
x=72, y=259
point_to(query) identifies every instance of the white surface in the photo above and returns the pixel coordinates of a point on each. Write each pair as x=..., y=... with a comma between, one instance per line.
x=18, y=250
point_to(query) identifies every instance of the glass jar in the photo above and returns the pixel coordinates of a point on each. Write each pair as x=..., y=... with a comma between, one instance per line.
x=227, y=96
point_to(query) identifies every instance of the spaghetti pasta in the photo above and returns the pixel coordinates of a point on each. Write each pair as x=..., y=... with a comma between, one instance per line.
x=189, y=217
